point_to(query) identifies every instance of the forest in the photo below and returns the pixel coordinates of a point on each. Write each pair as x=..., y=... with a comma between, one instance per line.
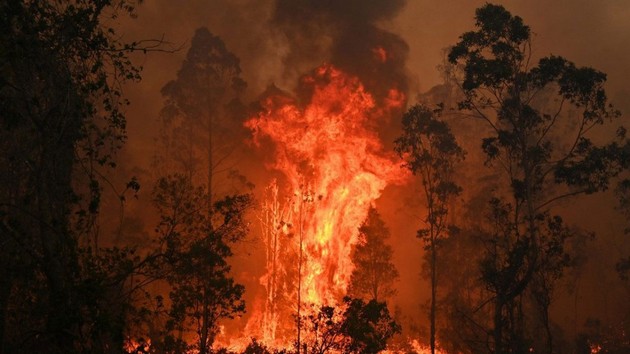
x=303, y=176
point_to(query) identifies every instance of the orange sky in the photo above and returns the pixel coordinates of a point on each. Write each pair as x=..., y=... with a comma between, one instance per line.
x=593, y=33
x=587, y=32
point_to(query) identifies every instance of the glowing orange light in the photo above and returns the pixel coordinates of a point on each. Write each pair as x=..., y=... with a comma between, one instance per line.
x=335, y=168
x=380, y=53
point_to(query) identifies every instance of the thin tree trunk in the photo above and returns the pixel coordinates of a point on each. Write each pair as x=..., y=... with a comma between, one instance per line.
x=274, y=258
x=5, y=292
x=210, y=160
x=544, y=302
x=299, y=291
x=203, y=337
x=433, y=294
x=53, y=185
x=497, y=333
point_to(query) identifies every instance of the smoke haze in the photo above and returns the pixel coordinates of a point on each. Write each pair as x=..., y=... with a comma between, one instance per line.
x=280, y=41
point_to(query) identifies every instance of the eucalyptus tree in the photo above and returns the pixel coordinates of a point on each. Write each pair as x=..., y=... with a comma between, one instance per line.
x=193, y=254
x=541, y=115
x=199, y=120
x=62, y=65
x=431, y=152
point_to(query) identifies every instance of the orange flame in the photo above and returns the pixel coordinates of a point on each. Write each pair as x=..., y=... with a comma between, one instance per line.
x=335, y=168
x=380, y=53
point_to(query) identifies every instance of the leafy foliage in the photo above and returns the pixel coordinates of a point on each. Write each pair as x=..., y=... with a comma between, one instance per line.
x=431, y=152
x=201, y=112
x=354, y=327
x=61, y=121
x=545, y=152
x=194, y=248
x=368, y=325
x=375, y=274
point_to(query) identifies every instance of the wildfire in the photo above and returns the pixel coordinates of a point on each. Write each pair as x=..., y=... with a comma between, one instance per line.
x=380, y=53
x=334, y=168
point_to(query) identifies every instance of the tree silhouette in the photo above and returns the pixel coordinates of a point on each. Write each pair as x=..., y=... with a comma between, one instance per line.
x=353, y=327
x=540, y=117
x=61, y=122
x=374, y=274
x=623, y=196
x=368, y=326
x=199, y=126
x=200, y=113
x=430, y=151
x=194, y=250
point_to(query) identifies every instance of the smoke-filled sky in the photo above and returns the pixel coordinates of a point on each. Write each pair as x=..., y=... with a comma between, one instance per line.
x=593, y=33
x=279, y=40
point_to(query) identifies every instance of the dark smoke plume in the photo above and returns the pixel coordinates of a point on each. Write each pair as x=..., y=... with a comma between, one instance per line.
x=345, y=34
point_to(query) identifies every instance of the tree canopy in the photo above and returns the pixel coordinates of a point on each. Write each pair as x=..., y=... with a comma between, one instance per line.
x=374, y=275
x=541, y=117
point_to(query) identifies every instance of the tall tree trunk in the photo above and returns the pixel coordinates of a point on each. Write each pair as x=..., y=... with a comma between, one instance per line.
x=5, y=292
x=203, y=336
x=548, y=329
x=497, y=333
x=299, y=289
x=433, y=293
x=53, y=188
x=210, y=159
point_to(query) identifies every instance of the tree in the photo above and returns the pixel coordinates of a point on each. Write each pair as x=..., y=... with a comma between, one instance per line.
x=353, y=327
x=540, y=118
x=323, y=331
x=61, y=120
x=200, y=124
x=374, y=274
x=464, y=323
x=199, y=117
x=194, y=249
x=623, y=196
x=431, y=152
x=368, y=326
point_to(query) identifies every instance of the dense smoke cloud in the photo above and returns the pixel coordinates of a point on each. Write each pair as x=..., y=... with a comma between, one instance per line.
x=347, y=35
